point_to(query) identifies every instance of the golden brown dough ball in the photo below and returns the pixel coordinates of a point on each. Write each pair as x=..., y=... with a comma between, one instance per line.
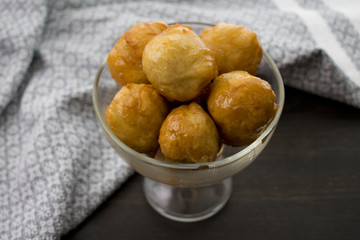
x=241, y=106
x=235, y=47
x=124, y=59
x=178, y=64
x=189, y=135
x=135, y=116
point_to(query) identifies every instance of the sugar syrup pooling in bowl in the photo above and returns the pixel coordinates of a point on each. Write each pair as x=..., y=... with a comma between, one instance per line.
x=166, y=183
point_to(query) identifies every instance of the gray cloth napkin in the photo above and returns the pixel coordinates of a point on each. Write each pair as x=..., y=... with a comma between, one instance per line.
x=56, y=165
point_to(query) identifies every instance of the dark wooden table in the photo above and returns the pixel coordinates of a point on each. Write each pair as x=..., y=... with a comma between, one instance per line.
x=305, y=185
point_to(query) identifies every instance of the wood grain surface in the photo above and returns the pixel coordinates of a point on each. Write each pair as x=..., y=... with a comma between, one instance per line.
x=305, y=185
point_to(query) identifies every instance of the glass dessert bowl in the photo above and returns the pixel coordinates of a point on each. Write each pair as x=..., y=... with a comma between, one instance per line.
x=188, y=192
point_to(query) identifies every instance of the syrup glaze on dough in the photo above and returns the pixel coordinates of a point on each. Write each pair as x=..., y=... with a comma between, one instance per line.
x=125, y=58
x=241, y=106
x=235, y=47
x=189, y=135
x=135, y=116
x=178, y=64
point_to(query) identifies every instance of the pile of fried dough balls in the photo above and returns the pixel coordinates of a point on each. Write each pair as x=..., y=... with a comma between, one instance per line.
x=188, y=93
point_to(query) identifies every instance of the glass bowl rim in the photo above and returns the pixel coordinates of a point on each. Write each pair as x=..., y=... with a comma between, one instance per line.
x=192, y=166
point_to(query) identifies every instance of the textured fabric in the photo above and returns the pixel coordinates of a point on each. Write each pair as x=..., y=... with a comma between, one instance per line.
x=56, y=165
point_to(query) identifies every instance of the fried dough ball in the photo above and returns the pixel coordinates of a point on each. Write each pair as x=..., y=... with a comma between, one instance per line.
x=235, y=47
x=189, y=135
x=135, y=116
x=178, y=64
x=124, y=59
x=241, y=106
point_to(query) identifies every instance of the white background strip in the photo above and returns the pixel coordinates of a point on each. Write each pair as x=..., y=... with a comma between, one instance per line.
x=323, y=37
x=350, y=8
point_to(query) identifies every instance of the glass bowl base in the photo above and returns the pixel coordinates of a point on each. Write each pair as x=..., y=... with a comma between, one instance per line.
x=187, y=204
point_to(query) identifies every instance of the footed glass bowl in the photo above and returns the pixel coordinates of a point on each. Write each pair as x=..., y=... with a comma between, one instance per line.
x=188, y=192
